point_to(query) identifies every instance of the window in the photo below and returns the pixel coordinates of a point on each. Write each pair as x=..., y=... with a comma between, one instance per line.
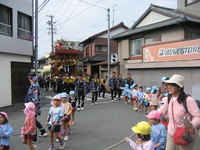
x=5, y=20
x=87, y=52
x=136, y=47
x=192, y=34
x=101, y=48
x=188, y=2
x=24, y=26
x=153, y=39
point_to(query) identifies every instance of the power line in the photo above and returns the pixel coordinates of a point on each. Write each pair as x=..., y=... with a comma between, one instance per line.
x=69, y=16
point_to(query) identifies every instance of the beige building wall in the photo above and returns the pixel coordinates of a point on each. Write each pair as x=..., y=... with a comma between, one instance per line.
x=151, y=18
x=123, y=54
x=192, y=8
x=5, y=77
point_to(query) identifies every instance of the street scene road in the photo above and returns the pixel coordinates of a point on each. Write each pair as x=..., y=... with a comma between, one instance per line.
x=96, y=128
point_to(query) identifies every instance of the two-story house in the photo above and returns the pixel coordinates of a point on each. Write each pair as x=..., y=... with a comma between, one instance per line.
x=95, y=49
x=15, y=49
x=163, y=42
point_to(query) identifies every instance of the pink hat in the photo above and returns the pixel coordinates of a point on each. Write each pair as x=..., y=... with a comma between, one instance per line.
x=57, y=97
x=154, y=115
x=5, y=114
x=30, y=108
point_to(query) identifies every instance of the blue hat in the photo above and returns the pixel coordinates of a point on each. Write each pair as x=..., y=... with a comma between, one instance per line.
x=164, y=78
x=127, y=86
x=132, y=86
x=71, y=92
x=166, y=94
x=59, y=94
x=154, y=87
x=63, y=95
x=148, y=89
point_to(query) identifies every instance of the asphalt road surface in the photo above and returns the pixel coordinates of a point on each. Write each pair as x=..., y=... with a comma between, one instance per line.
x=96, y=128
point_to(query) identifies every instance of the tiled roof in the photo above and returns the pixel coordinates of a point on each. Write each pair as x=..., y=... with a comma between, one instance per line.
x=176, y=15
x=98, y=57
x=105, y=31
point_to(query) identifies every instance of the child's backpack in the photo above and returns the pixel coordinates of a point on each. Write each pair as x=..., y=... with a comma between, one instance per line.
x=185, y=102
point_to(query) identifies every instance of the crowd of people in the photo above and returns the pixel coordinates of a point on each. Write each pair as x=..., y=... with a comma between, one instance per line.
x=174, y=117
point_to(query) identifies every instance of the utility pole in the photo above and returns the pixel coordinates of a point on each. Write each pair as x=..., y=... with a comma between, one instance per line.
x=52, y=31
x=108, y=10
x=114, y=14
x=36, y=37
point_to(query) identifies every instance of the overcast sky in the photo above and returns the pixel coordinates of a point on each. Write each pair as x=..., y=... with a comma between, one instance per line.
x=77, y=21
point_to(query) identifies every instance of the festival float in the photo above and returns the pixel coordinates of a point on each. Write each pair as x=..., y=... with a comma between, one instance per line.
x=64, y=58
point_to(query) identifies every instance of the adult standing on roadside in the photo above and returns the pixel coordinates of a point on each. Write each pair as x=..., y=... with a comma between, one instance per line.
x=33, y=95
x=183, y=113
x=119, y=84
x=129, y=81
x=163, y=89
x=113, y=86
x=95, y=88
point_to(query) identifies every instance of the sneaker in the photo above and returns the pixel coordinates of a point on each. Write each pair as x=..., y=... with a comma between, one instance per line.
x=82, y=108
x=112, y=100
x=78, y=109
x=62, y=145
x=57, y=140
x=95, y=103
x=35, y=142
x=92, y=104
x=43, y=135
x=66, y=138
x=51, y=148
x=115, y=99
x=34, y=146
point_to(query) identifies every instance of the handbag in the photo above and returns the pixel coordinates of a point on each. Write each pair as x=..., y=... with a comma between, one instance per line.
x=182, y=135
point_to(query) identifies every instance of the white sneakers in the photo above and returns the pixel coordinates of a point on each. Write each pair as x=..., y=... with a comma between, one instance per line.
x=92, y=104
x=78, y=109
x=95, y=103
x=43, y=135
x=66, y=138
x=82, y=108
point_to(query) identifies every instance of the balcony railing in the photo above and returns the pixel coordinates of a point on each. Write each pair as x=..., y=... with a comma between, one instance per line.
x=5, y=29
x=24, y=34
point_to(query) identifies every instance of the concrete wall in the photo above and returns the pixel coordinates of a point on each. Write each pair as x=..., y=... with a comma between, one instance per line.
x=150, y=77
x=192, y=8
x=123, y=53
x=5, y=76
x=12, y=44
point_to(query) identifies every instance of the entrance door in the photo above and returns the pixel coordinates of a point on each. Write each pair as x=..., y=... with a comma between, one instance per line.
x=19, y=80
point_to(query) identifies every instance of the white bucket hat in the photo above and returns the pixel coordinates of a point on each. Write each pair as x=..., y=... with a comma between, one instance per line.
x=177, y=79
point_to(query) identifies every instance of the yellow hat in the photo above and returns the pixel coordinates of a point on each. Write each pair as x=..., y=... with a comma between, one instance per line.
x=142, y=127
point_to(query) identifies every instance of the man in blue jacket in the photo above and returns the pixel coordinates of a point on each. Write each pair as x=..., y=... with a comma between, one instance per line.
x=33, y=95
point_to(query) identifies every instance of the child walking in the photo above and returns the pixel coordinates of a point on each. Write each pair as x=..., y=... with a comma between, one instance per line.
x=73, y=101
x=29, y=128
x=140, y=95
x=146, y=98
x=125, y=94
x=158, y=132
x=154, y=98
x=67, y=108
x=142, y=130
x=54, y=120
x=5, y=131
x=135, y=98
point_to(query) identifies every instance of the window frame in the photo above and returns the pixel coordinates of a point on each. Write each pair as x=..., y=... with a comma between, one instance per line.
x=187, y=4
x=140, y=48
x=148, y=37
x=30, y=38
x=11, y=21
x=101, y=49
